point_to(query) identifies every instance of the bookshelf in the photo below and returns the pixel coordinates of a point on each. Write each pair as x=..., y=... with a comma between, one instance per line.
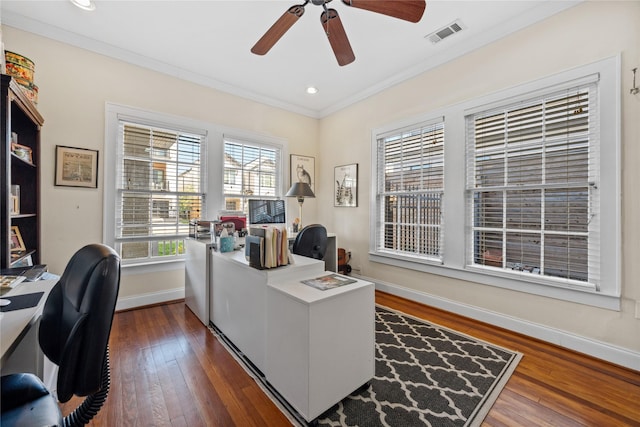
x=20, y=123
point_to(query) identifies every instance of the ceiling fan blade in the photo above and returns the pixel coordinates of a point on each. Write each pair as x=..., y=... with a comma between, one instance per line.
x=409, y=10
x=332, y=25
x=278, y=29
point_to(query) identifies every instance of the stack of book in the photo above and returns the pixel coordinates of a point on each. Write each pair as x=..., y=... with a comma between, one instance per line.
x=267, y=247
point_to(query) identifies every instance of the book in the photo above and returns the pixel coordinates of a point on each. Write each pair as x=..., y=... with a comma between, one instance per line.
x=274, y=246
x=10, y=281
x=328, y=282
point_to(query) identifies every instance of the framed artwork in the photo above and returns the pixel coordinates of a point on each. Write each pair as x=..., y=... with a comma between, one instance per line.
x=17, y=245
x=76, y=167
x=303, y=170
x=346, y=185
x=22, y=151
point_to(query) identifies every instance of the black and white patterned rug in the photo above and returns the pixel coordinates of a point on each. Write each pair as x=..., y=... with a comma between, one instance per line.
x=425, y=375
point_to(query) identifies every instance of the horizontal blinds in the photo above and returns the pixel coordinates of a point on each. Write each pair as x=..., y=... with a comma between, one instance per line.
x=159, y=186
x=250, y=171
x=410, y=188
x=532, y=184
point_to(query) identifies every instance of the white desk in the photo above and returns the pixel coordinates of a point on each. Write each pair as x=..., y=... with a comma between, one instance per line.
x=198, y=271
x=315, y=347
x=238, y=298
x=19, y=348
x=320, y=344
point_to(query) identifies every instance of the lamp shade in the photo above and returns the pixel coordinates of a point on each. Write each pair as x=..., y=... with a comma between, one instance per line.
x=300, y=190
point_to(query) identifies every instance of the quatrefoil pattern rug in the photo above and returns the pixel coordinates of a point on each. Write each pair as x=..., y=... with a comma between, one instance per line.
x=425, y=375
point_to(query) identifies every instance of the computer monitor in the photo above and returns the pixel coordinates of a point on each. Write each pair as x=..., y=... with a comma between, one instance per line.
x=266, y=211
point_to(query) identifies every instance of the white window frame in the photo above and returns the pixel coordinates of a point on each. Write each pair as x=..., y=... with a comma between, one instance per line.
x=258, y=142
x=114, y=114
x=381, y=193
x=213, y=175
x=455, y=263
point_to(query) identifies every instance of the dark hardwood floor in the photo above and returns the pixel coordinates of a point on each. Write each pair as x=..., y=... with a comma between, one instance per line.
x=168, y=370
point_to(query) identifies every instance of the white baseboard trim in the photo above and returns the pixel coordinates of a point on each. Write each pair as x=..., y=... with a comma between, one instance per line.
x=128, y=303
x=601, y=350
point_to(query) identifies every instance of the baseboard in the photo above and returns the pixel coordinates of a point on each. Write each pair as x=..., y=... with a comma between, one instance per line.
x=142, y=300
x=601, y=350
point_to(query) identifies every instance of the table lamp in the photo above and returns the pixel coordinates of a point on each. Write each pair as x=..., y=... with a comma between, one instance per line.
x=300, y=190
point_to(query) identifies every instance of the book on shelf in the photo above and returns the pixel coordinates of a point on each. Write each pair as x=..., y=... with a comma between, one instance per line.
x=328, y=282
x=10, y=281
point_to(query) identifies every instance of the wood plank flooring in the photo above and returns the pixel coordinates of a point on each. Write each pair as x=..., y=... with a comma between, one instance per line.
x=168, y=370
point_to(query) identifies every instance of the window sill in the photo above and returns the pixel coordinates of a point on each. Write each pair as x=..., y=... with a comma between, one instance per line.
x=152, y=266
x=483, y=276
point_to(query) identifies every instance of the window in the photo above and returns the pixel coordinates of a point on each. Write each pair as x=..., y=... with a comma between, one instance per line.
x=530, y=192
x=409, y=191
x=154, y=183
x=532, y=173
x=159, y=189
x=251, y=170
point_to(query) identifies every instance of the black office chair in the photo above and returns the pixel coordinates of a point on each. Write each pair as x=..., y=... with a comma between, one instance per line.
x=311, y=242
x=74, y=334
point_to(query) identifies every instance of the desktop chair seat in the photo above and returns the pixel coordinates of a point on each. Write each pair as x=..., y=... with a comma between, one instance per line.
x=27, y=402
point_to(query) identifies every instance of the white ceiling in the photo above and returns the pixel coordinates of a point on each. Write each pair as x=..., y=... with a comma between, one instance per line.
x=209, y=42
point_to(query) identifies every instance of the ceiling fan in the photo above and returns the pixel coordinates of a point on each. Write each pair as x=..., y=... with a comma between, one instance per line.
x=408, y=10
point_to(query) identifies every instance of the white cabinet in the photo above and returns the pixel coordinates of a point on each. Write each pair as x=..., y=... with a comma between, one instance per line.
x=320, y=344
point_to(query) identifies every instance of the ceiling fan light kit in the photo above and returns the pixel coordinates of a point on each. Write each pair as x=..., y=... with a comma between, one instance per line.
x=407, y=10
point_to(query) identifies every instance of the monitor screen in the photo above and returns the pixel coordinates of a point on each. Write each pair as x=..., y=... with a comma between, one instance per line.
x=267, y=212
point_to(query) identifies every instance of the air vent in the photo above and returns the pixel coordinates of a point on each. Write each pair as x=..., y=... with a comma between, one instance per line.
x=445, y=32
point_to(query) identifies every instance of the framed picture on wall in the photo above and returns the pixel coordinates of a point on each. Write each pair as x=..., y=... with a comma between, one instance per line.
x=76, y=167
x=303, y=169
x=346, y=185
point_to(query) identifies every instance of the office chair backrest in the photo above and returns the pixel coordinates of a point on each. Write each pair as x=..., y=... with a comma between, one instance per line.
x=311, y=242
x=77, y=317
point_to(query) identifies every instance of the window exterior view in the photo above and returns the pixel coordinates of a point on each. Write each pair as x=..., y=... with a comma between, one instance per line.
x=159, y=190
x=411, y=185
x=531, y=184
x=251, y=170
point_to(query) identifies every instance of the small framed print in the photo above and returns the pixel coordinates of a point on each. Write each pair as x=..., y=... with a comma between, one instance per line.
x=23, y=152
x=17, y=244
x=76, y=167
x=303, y=170
x=346, y=185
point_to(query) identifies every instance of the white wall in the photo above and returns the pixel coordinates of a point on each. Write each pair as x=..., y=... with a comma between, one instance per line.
x=578, y=36
x=74, y=86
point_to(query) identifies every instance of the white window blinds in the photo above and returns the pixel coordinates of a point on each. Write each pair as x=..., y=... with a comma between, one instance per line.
x=251, y=171
x=159, y=189
x=410, y=186
x=532, y=186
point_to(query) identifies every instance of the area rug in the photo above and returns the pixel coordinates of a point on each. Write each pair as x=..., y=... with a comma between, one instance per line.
x=425, y=375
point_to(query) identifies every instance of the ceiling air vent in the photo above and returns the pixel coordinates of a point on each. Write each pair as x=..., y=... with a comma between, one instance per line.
x=445, y=32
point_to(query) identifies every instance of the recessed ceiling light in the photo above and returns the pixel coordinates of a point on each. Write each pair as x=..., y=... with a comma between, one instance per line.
x=312, y=90
x=84, y=4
